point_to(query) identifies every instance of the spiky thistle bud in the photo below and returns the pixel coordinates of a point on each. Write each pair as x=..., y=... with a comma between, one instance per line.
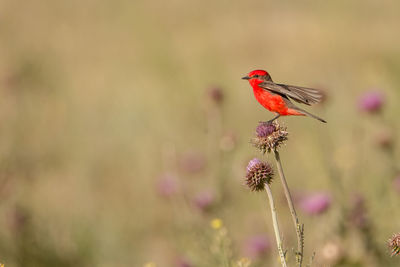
x=269, y=136
x=394, y=244
x=258, y=173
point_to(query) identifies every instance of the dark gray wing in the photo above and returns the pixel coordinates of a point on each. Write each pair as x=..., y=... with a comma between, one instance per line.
x=299, y=94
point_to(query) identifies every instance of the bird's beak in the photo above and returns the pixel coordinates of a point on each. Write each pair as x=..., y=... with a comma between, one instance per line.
x=246, y=78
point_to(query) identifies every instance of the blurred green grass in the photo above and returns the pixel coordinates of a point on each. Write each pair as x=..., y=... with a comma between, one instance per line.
x=95, y=93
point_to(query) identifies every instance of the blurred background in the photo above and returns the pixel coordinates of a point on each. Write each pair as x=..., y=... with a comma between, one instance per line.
x=125, y=128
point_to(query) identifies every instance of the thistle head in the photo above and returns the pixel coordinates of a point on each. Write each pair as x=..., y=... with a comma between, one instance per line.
x=265, y=129
x=258, y=173
x=269, y=136
x=394, y=244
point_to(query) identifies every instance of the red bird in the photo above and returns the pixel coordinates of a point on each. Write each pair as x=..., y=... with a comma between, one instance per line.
x=276, y=97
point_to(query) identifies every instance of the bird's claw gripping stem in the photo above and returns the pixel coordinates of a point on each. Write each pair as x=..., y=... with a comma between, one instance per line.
x=272, y=120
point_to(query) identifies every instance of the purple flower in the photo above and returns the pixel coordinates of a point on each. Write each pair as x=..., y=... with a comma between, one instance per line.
x=371, y=102
x=252, y=164
x=204, y=200
x=315, y=203
x=256, y=246
x=264, y=129
x=167, y=185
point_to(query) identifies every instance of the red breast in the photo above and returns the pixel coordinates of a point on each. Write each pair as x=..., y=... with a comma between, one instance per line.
x=272, y=102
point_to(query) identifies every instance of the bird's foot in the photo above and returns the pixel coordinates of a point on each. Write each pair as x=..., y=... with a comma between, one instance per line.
x=271, y=121
x=266, y=122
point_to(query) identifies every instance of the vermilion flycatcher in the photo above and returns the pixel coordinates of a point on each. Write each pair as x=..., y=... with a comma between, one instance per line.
x=276, y=97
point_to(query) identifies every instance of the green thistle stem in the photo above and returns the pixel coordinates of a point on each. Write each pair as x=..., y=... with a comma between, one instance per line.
x=299, y=227
x=276, y=226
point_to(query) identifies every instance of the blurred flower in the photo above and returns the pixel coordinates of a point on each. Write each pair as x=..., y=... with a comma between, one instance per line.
x=331, y=253
x=167, y=185
x=394, y=244
x=19, y=219
x=216, y=223
x=384, y=139
x=396, y=183
x=258, y=173
x=269, y=136
x=204, y=200
x=227, y=142
x=371, y=101
x=256, y=246
x=216, y=94
x=243, y=262
x=9, y=79
x=358, y=212
x=316, y=203
x=192, y=162
x=182, y=262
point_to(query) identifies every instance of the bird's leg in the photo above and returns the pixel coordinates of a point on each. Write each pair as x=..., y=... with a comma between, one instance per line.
x=276, y=117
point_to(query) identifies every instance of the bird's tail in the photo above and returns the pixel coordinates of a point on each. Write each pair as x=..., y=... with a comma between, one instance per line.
x=311, y=115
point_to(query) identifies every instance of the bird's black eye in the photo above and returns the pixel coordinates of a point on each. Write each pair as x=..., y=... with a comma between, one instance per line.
x=255, y=76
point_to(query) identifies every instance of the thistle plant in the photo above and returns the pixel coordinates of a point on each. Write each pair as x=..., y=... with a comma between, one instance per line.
x=258, y=174
x=269, y=137
x=394, y=244
x=259, y=177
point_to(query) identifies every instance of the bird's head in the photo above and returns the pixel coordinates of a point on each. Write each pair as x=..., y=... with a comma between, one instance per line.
x=257, y=76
